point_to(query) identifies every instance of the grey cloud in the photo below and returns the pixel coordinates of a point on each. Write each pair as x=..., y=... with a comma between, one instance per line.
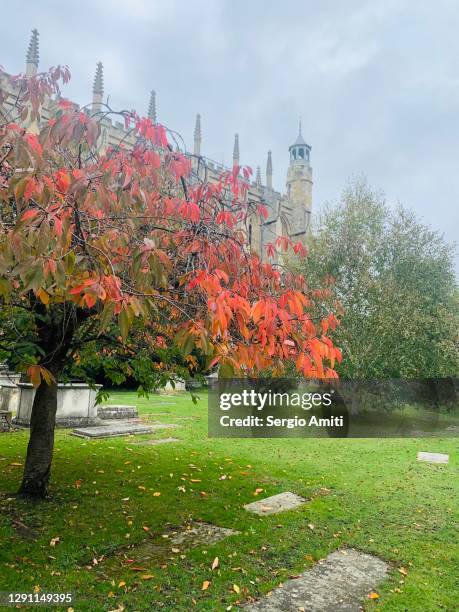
x=377, y=84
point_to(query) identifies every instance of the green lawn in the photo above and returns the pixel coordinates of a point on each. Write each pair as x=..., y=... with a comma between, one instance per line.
x=368, y=494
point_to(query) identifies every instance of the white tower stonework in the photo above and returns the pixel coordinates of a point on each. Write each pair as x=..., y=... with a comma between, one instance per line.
x=197, y=136
x=98, y=89
x=299, y=186
x=32, y=56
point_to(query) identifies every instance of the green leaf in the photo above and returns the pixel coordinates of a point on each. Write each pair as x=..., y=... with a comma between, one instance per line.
x=124, y=324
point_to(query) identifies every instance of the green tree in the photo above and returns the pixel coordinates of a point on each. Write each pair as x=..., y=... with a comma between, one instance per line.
x=393, y=278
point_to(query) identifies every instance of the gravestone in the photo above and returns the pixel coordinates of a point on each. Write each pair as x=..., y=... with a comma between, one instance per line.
x=276, y=503
x=201, y=534
x=76, y=404
x=109, y=431
x=5, y=420
x=341, y=582
x=9, y=393
x=155, y=442
x=153, y=552
x=155, y=426
x=117, y=412
x=433, y=457
x=179, y=385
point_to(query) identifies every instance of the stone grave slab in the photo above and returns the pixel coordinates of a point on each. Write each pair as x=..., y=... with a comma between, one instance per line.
x=201, y=534
x=155, y=426
x=155, y=442
x=276, y=503
x=433, y=457
x=109, y=431
x=117, y=412
x=341, y=582
x=151, y=553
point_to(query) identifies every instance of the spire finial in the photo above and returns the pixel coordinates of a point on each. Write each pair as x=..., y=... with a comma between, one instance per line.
x=236, y=150
x=32, y=56
x=269, y=171
x=197, y=135
x=152, y=107
x=258, y=177
x=98, y=86
x=299, y=126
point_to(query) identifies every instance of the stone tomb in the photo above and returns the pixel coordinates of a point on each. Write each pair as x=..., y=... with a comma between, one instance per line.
x=9, y=392
x=5, y=420
x=341, y=582
x=433, y=457
x=276, y=503
x=117, y=412
x=109, y=431
x=76, y=405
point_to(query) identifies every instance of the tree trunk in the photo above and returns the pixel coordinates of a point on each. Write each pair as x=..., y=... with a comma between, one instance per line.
x=41, y=443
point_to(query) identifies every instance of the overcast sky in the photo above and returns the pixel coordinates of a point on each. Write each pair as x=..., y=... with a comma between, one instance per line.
x=376, y=83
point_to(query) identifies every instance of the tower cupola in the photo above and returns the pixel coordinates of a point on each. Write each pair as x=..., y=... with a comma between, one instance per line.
x=300, y=150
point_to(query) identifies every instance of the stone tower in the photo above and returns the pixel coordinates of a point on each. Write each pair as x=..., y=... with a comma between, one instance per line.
x=299, y=186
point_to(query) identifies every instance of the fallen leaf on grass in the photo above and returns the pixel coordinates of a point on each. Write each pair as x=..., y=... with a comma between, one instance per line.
x=236, y=589
x=147, y=576
x=258, y=491
x=403, y=571
x=311, y=526
x=205, y=585
x=215, y=563
x=156, y=494
x=121, y=583
x=373, y=595
x=194, y=480
x=145, y=528
x=54, y=541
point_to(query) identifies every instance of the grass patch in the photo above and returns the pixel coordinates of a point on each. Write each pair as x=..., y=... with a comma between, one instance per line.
x=368, y=494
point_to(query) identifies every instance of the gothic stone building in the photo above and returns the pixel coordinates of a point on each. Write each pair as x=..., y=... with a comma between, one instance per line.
x=288, y=213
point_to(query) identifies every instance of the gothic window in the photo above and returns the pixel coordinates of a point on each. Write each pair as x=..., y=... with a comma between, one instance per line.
x=301, y=153
x=294, y=153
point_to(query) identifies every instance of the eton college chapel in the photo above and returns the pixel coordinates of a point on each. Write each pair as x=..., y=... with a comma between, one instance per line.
x=288, y=213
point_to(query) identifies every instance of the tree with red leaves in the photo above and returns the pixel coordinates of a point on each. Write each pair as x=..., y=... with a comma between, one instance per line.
x=129, y=236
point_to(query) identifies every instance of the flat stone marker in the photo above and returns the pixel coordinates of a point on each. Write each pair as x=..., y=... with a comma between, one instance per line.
x=151, y=553
x=109, y=431
x=155, y=426
x=155, y=442
x=201, y=534
x=276, y=503
x=117, y=412
x=433, y=457
x=339, y=582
